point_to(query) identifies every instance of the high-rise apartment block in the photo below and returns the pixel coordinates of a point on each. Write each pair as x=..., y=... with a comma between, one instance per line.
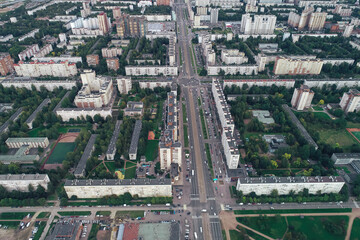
x=297, y=66
x=350, y=101
x=124, y=85
x=112, y=63
x=348, y=30
x=128, y=25
x=6, y=64
x=92, y=60
x=104, y=24
x=261, y=25
x=302, y=98
x=214, y=15
x=305, y=17
x=116, y=13
x=317, y=20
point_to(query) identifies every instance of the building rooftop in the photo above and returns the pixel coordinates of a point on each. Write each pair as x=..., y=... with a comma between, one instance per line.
x=86, y=155
x=29, y=139
x=264, y=180
x=263, y=116
x=135, y=137
x=23, y=177
x=114, y=138
x=347, y=155
x=12, y=118
x=37, y=110
x=62, y=99
x=110, y=182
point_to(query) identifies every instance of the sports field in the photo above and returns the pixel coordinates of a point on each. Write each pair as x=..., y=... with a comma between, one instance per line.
x=151, y=151
x=60, y=151
x=355, y=132
x=357, y=135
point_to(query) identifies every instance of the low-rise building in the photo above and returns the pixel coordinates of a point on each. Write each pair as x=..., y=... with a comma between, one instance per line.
x=110, y=153
x=32, y=117
x=134, y=109
x=80, y=168
x=21, y=182
x=345, y=158
x=283, y=185
x=45, y=50
x=135, y=140
x=28, y=83
x=263, y=116
x=28, y=35
x=73, y=113
x=151, y=70
x=233, y=56
x=37, y=69
x=34, y=142
x=98, y=188
x=92, y=60
x=112, y=63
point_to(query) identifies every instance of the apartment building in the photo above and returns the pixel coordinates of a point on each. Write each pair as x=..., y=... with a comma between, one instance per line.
x=350, y=101
x=6, y=64
x=124, y=85
x=51, y=68
x=233, y=56
x=261, y=25
x=92, y=60
x=297, y=66
x=112, y=63
x=302, y=98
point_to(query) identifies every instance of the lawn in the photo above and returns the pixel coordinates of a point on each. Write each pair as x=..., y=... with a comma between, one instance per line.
x=60, y=151
x=15, y=215
x=186, y=136
x=40, y=230
x=281, y=211
x=321, y=115
x=355, y=231
x=43, y=215
x=184, y=113
x=75, y=213
x=151, y=150
x=104, y=213
x=203, y=124
x=130, y=173
x=35, y=132
x=314, y=227
x=129, y=214
x=110, y=166
x=10, y=224
x=274, y=227
x=235, y=235
x=317, y=108
x=208, y=155
x=333, y=136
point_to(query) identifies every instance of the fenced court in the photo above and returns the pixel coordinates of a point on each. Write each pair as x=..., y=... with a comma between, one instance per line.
x=355, y=132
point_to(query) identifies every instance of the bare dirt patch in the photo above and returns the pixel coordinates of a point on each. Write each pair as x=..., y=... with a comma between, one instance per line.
x=103, y=234
x=69, y=137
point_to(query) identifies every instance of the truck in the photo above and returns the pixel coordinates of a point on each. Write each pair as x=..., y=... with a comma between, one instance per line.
x=195, y=235
x=192, y=172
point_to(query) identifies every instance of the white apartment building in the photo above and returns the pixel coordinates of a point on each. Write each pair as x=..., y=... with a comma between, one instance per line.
x=262, y=24
x=98, y=188
x=28, y=35
x=233, y=69
x=340, y=83
x=45, y=50
x=153, y=84
x=111, y=52
x=73, y=113
x=348, y=30
x=317, y=21
x=350, y=101
x=233, y=56
x=302, y=98
x=49, y=85
x=288, y=83
x=151, y=70
x=37, y=69
x=29, y=52
x=231, y=150
x=291, y=66
x=124, y=85
x=265, y=185
x=35, y=142
x=21, y=182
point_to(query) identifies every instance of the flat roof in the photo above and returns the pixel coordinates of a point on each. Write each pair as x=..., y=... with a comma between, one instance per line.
x=347, y=155
x=113, y=182
x=12, y=118
x=38, y=109
x=86, y=155
x=135, y=137
x=114, y=138
x=62, y=99
x=23, y=177
x=29, y=139
x=280, y=180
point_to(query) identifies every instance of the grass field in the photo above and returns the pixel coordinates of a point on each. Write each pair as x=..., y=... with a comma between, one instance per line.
x=186, y=136
x=272, y=226
x=43, y=215
x=329, y=210
x=130, y=173
x=208, y=156
x=35, y=132
x=110, y=166
x=313, y=227
x=184, y=113
x=355, y=231
x=317, y=108
x=10, y=224
x=333, y=136
x=75, y=213
x=40, y=231
x=321, y=115
x=60, y=151
x=235, y=235
x=104, y=213
x=129, y=214
x=15, y=215
x=151, y=150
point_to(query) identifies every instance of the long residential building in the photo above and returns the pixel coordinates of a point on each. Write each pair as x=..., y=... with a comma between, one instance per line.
x=155, y=83
x=283, y=185
x=111, y=151
x=288, y=83
x=49, y=85
x=29, y=52
x=233, y=69
x=170, y=149
x=35, y=142
x=98, y=188
x=135, y=140
x=80, y=168
x=151, y=70
x=32, y=117
x=73, y=113
x=37, y=69
x=21, y=182
x=290, y=66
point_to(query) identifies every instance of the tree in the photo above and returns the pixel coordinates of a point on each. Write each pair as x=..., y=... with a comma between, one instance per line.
x=274, y=164
x=274, y=193
x=321, y=102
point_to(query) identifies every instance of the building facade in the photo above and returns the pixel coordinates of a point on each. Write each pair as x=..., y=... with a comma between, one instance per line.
x=290, y=66
x=6, y=64
x=67, y=114
x=317, y=21
x=288, y=83
x=92, y=60
x=21, y=182
x=35, y=142
x=262, y=24
x=124, y=85
x=104, y=25
x=350, y=101
x=302, y=98
x=112, y=63
x=283, y=185
x=233, y=56
x=151, y=70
